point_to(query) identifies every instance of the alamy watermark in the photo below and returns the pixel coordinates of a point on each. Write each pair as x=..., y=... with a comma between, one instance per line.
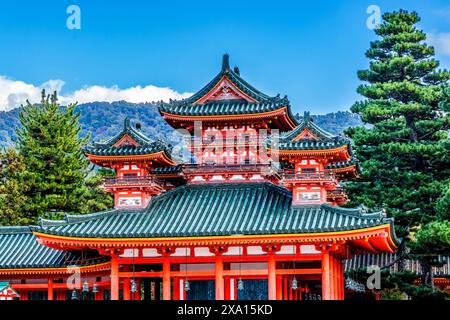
x=374, y=19
x=230, y=146
x=73, y=21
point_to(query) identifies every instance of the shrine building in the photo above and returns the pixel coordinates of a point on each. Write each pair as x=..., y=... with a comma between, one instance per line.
x=254, y=214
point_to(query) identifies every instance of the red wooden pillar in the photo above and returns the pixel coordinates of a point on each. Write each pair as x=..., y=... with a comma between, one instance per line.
x=114, y=278
x=137, y=294
x=272, y=280
x=279, y=288
x=338, y=278
x=126, y=289
x=50, y=289
x=176, y=289
x=219, y=278
x=227, y=288
x=326, y=276
x=332, y=278
x=341, y=280
x=166, y=280
x=24, y=295
x=285, y=288
x=60, y=294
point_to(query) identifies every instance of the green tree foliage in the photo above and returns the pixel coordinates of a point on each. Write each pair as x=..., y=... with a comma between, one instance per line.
x=54, y=180
x=443, y=205
x=405, y=152
x=92, y=197
x=12, y=197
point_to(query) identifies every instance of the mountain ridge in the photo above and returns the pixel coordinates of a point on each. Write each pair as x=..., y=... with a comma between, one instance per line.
x=103, y=120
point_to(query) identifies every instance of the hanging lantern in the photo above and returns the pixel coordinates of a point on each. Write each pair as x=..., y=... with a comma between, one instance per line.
x=240, y=285
x=95, y=288
x=85, y=286
x=187, y=286
x=294, y=284
x=133, y=287
x=74, y=295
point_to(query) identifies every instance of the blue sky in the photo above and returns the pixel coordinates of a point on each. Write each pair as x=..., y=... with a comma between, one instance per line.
x=309, y=50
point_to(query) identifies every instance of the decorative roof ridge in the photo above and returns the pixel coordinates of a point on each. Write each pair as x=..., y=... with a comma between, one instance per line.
x=75, y=218
x=15, y=229
x=360, y=212
x=127, y=129
x=170, y=169
x=314, y=142
x=308, y=123
x=234, y=77
x=343, y=164
x=71, y=219
x=306, y=206
x=222, y=185
x=49, y=223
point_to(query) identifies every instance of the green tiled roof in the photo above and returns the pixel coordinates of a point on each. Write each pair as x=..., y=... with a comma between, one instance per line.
x=264, y=103
x=235, y=78
x=310, y=145
x=326, y=140
x=307, y=123
x=224, y=107
x=343, y=164
x=167, y=170
x=146, y=145
x=217, y=209
x=391, y=261
x=19, y=249
x=3, y=285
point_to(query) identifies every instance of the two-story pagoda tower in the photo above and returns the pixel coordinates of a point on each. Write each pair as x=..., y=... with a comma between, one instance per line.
x=134, y=157
x=314, y=163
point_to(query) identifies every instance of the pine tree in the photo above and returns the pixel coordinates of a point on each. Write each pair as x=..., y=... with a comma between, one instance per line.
x=91, y=196
x=49, y=143
x=12, y=192
x=404, y=152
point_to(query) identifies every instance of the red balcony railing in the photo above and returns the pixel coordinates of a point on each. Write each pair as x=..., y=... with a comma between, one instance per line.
x=338, y=192
x=310, y=176
x=131, y=181
x=229, y=168
x=225, y=142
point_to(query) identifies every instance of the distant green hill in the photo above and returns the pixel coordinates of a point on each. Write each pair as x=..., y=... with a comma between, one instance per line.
x=103, y=119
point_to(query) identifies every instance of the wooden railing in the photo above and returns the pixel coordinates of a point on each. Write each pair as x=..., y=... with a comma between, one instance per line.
x=206, y=168
x=224, y=142
x=128, y=181
x=307, y=176
x=338, y=192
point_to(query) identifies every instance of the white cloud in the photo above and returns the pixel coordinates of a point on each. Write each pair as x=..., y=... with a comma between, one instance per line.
x=14, y=93
x=441, y=42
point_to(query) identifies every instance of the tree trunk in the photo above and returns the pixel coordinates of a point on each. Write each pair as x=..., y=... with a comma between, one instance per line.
x=427, y=274
x=401, y=252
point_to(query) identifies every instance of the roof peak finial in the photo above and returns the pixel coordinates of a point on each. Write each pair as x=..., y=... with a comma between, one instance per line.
x=226, y=62
x=126, y=122
x=306, y=116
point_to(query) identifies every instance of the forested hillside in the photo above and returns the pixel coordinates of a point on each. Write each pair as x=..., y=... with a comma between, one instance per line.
x=102, y=120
